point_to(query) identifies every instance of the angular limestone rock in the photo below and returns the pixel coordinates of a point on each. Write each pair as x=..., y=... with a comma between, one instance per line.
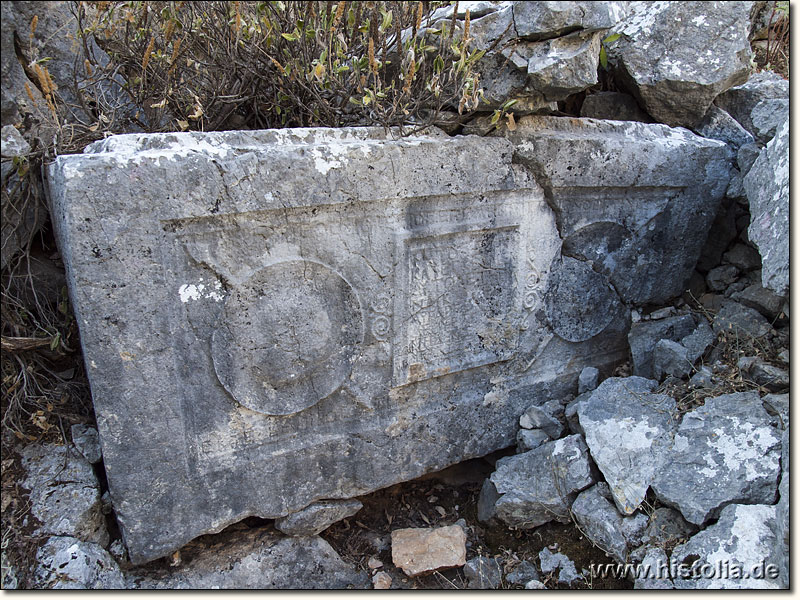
x=724, y=452
x=719, y=125
x=600, y=521
x=540, y=485
x=483, y=573
x=634, y=201
x=736, y=320
x=767, y=188
x=676, y=58
x=67, y=563
x=546, y=20
x=420, y=551
x=550, y=561
x=317, y=517
x=255, y=560
x=732, y=553
x=87, y=442
x=627, y=430
x=64, y=493
x=739, y=101
x=272, y=318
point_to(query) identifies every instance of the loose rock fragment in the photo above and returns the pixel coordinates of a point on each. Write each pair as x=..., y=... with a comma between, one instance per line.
x=419, y=551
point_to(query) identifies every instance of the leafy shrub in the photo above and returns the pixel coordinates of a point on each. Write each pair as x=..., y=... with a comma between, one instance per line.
x=232, y=65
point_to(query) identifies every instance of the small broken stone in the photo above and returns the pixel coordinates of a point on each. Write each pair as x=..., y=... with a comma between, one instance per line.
x=417, y=550
x=382, y=581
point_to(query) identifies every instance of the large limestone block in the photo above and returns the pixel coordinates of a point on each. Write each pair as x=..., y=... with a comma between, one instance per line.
x=635, y=200
x=274, y=318
x=767, y=188
x=676, y=57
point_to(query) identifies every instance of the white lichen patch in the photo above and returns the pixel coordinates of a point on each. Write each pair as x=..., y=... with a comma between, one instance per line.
x=633, y=434
x=748, y=542
x=191, y=291
x=746, y=446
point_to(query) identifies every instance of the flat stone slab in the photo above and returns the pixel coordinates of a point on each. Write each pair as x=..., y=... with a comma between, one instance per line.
x=418, y=551
x=272, y=318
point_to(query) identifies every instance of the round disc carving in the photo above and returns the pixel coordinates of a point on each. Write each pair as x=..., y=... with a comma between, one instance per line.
x=286, y=338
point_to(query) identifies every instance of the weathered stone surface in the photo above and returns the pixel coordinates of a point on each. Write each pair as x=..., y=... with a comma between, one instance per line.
x=721, y=277
x=483, y=573
x=780, y=553
x=12, y=143
x=739, y=101
x=735, y=549
x=488, y=498
x=733, y=319
x=545, y=20
x=615, y=106
x=317, y=517
x=767, y=116
x=67, y=563
x=540, y=485
x=587, y=380
x=723, y=231
x=654, y=573
x=87, y=442
x=746, y=156
x=599, y=521
x=697, y=342
x=535, y=584
x=743, y=257
x=676, y=58
x=64, y=493
x=550, y=561
x=671, y=358
x=528, y=439
x=764, y=374
x=724, y=452
x=767, y=187
x=719, y=125
x=536, y=417
x=627, y=428
x=765, y=301
x=256, y=559
x=634, y=200
x=278, y=305
x=564, y=65
x=645, y=335
x=419, y=551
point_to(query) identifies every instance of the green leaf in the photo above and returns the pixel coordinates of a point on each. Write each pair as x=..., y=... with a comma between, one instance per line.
x=603, y=58
x=612, y=38
x=495, y=117
x=292, y=37
x=55, y=341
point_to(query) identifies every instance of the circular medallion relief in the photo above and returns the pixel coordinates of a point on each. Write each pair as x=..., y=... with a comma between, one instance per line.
x=286, y=337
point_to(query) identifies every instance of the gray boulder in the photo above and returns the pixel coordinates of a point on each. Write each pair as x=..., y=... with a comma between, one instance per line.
x=12, y=144
x=563, y=66
x=317, y=517
x=599, y=520
x=724, y=452
x=777, y=406
x=719, y=125
x=780, y=554
x=644, y=336
x=524, y=572
x=540, y=485
x=487, y=499
x=739, y=101
x=67, y=563
x=765, y=301
x=588, y=380
x=767, y=187
x=676, y=58
x=545, y=20
x=755, y=369
x=743, y=257
x=740, y=543
x=767, y=116
x=528, y=439
x=627, y=430
x=615, y=106
x=87, y=441
x=671, y=358
x=64, y=493
x=697, y=342
x=734, y=319
x=256, y=559
x=538, y=417
x=721, y=277
x=667, y=527
x=746, y=156
x=483, y=573
x=653, y=573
